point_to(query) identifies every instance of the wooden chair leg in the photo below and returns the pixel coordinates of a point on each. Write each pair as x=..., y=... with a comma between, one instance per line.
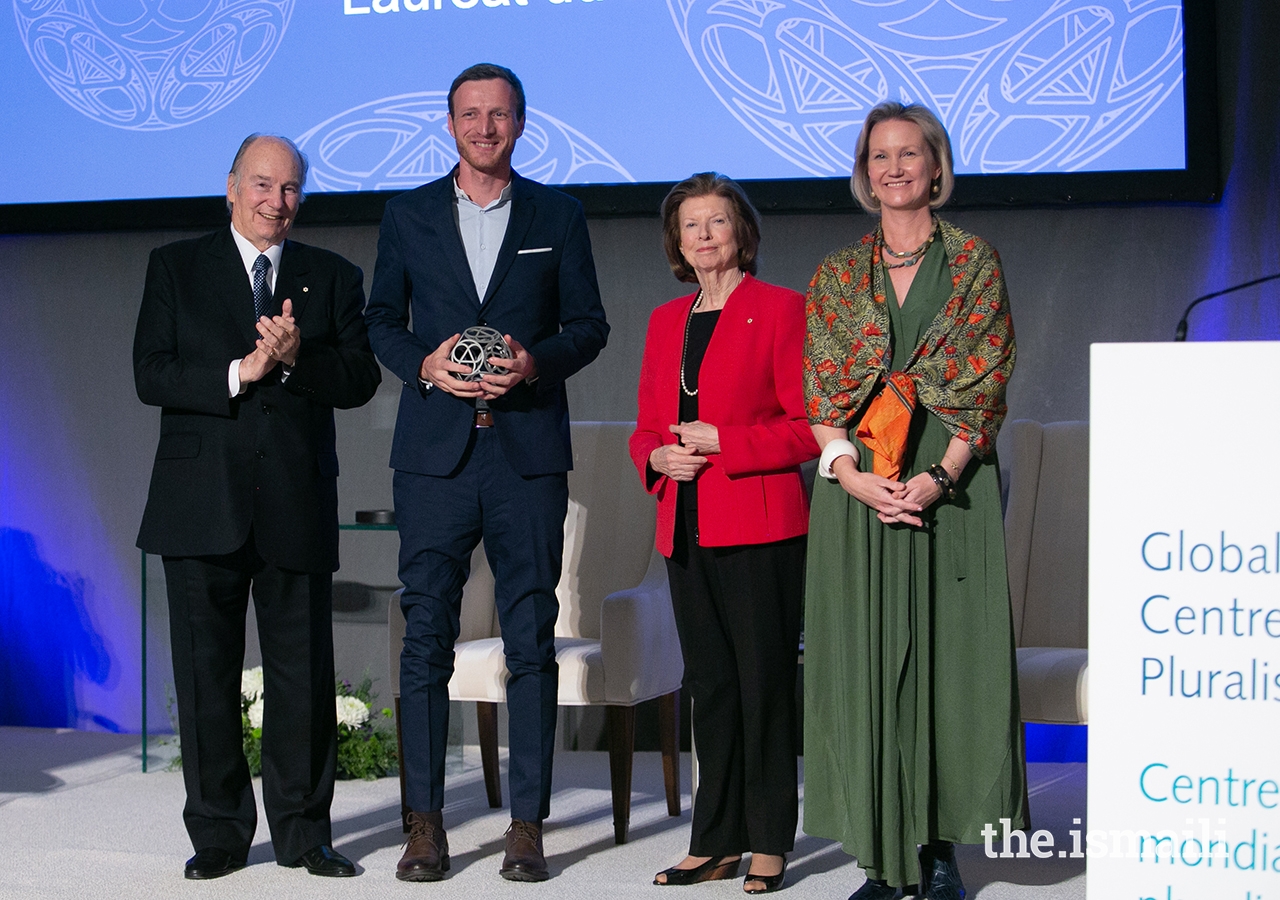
x=487, y=719
x=669, y=737
x=622, y=740
x=404, y=791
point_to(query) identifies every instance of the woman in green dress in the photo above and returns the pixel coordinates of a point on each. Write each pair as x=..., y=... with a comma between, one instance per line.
x=912, y=733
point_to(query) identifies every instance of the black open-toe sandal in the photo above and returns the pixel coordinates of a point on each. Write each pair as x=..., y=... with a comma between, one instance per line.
x=717, y=868
x=771, y=882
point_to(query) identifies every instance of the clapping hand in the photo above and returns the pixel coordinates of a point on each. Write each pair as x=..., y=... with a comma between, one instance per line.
x=280, y=338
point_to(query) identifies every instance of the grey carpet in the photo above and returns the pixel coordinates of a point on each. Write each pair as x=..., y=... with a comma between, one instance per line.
x=80, y=821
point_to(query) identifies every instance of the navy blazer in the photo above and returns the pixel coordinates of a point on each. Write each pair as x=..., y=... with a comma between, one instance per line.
x=265, y=459
x=543, y=292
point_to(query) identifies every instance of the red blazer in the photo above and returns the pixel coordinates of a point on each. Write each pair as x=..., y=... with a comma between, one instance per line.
x=750, y=388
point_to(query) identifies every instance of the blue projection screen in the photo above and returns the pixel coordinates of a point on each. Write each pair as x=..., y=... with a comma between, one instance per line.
x=141, y=99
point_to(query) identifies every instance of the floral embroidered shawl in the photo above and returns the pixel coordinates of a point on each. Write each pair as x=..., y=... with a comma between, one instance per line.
x=962, y=366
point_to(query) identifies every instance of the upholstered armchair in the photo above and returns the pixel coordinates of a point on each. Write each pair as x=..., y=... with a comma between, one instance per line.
x=1046, y=521
x=616, y=641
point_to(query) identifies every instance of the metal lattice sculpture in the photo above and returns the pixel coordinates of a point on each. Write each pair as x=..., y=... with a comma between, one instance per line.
x=477, y=344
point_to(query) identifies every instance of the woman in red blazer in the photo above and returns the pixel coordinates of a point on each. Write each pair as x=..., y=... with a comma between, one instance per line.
x=720, y=435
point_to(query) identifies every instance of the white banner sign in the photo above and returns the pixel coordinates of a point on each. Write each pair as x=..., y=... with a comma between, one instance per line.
x=1184, y=622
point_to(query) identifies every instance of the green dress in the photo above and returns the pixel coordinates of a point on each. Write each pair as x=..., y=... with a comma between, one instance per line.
x=911, y=726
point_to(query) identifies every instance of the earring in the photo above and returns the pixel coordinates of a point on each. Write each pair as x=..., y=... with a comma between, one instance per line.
x=936, y=188
x=873, y=195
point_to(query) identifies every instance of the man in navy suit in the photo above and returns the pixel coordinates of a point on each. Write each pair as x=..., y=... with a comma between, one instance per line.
x=482, y=459
x=248, y=341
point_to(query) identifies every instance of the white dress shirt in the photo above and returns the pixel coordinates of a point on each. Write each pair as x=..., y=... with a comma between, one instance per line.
x=249, y=256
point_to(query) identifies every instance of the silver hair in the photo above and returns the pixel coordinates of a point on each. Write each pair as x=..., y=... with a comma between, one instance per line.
x=300, y=160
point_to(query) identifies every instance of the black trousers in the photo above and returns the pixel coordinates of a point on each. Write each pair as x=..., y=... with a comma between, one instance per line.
x=208, y=601
x=737, y=610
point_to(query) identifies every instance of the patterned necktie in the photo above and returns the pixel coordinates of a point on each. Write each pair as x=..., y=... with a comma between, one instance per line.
x=261, y=287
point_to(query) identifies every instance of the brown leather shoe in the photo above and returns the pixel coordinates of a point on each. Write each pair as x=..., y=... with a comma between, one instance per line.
x=524, y=860
x=426, y=856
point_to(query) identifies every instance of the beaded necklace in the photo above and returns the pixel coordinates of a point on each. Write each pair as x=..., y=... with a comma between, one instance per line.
x=911, y=257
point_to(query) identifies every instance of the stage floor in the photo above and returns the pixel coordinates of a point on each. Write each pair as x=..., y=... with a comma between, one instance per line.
x=79, y=820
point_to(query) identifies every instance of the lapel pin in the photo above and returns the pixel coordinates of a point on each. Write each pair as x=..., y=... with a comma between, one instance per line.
x=305, y=289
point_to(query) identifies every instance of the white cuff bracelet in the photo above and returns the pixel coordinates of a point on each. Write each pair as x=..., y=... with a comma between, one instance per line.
x=833, y=451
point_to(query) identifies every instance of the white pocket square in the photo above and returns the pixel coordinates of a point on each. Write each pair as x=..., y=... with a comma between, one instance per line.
x=534, y=250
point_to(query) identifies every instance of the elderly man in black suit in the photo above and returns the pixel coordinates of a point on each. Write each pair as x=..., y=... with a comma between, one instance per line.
x=482, y=459
x=248, y=342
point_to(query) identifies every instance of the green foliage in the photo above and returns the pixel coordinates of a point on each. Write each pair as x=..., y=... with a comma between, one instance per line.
x=252, y=746
x=369, y=751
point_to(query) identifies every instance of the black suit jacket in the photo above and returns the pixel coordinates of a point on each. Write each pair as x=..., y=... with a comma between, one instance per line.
x=543, y=292
x=265, y=459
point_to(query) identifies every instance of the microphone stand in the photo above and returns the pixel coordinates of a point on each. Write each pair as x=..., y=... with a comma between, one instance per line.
x=1180, y=333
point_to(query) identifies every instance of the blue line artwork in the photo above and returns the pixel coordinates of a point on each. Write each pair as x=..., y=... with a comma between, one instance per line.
x=401, y=142
x=1022, y=85
x=151, y=65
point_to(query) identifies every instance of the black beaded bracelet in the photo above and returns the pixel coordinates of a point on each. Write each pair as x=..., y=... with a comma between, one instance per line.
x=943, y=481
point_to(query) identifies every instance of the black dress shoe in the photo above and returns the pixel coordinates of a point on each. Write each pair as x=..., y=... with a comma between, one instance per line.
x=211, y=863
x=324, y=860
x=940, y=874
x=717, y=868
x=877, y=889
x=771, y=882
x=524, y=860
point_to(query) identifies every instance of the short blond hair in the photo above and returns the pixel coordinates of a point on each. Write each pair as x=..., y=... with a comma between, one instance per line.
x=935, y=138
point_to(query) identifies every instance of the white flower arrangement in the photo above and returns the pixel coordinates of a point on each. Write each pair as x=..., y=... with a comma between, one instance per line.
x=365, y=748
x=254, y=712
x=251, y=684
x=352, y=711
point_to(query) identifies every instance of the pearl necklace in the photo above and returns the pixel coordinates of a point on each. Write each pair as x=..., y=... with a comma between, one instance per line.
x=697, y=301
x=684, y=352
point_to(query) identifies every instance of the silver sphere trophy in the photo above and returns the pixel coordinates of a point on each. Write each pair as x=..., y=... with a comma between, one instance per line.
x=477, y=344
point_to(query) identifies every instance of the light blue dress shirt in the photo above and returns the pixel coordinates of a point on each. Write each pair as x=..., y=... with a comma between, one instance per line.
x=482, y=229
